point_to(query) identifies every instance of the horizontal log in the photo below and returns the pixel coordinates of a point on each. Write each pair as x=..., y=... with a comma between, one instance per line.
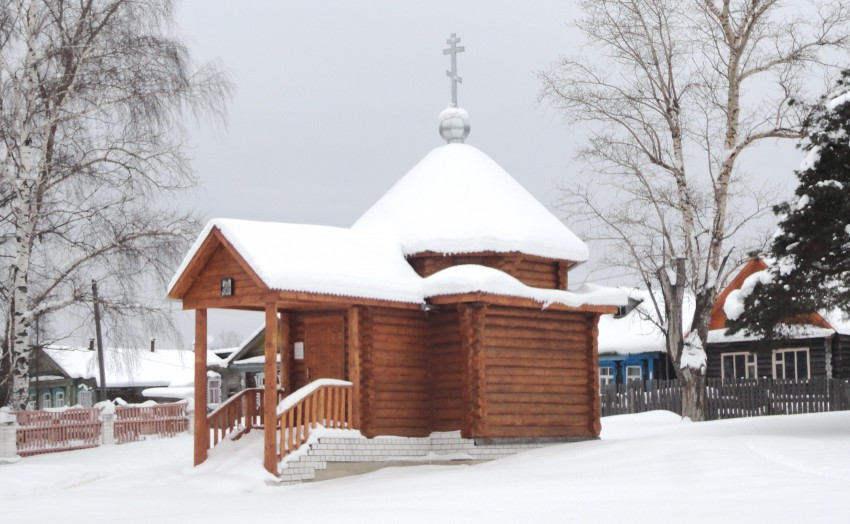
x=519, y=409
x=538, y=421
x=522, y=366
x=544, y=350
x=582, y=399
x=551, y=314
x=542, y=379
x=397, y=431
x=578, y=430
x=573, y=387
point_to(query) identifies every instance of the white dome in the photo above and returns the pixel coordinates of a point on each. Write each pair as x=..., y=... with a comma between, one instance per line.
x=458, y=200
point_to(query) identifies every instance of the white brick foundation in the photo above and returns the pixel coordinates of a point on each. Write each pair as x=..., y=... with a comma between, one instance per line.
x=437, y=447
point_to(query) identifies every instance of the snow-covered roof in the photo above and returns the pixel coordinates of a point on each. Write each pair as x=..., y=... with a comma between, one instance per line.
x=130, y=367
x=458, y=200
x=471, y=278
x=317, y=259
x=637, y=332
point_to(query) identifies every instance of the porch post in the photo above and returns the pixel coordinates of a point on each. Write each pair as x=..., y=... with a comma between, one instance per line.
x=270, y=389
x=354, y=363
x=284, y=347
x=202, y=433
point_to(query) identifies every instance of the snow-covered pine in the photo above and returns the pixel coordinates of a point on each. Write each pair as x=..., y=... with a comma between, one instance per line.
x=811, y=252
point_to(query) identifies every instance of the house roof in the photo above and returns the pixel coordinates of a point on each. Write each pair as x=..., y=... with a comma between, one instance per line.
x=129, y=367
x=458, y=200
x=637, y=331
x=731, y=301
x=316, y=259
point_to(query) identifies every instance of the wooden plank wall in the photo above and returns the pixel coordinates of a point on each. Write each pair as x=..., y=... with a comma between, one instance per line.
x=446, y=370
x=395, y=395
x=538, y=379
x=221, y=265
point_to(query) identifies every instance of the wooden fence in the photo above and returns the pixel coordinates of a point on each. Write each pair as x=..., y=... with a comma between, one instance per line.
x=731, y=399
x=136, y=422
x=51, y=431
x=48, y=431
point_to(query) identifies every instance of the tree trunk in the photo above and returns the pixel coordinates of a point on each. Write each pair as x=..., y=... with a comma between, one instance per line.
x=693, y=393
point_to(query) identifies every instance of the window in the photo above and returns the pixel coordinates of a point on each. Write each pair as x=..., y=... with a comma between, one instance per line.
x=45, y=400
x=214, y=390
x=259, y=379
x=59, y=399
x=791, y=363
x=738, y=365
x=606, y=375
x=634, y=374
x=84, y=396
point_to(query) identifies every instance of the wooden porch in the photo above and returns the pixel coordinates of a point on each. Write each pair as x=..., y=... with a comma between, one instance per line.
x=330, y=404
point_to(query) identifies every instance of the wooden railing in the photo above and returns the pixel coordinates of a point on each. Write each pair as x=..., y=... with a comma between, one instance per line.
x=50, y=431
x=316, y=404
x=164, y=420
x=238, y=415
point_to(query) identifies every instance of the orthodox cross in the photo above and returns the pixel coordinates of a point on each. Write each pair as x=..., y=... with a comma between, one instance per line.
x=453, y=50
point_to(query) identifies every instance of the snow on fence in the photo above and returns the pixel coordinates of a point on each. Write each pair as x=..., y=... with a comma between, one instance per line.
x=136, y=422
x=731, y=399
x=48, y=431
x=51, y=431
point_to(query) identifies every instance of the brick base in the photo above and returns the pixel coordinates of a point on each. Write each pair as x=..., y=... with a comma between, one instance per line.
x=437, y=447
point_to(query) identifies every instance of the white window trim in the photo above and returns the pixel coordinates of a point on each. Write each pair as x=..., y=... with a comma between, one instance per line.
x=46, y=399
x=609, y=378
x=793, y=350
x=747, y=354
x=59, y=399
x=627, y=378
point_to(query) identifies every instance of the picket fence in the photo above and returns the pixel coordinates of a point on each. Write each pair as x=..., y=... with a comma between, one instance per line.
x=731, y=399
x=78, y=428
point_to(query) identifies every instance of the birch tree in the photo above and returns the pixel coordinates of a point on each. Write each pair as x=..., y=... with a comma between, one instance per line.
x=92, y=97
x=677, y=92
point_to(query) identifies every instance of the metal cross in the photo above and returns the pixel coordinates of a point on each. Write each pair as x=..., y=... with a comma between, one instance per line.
x=453, y=50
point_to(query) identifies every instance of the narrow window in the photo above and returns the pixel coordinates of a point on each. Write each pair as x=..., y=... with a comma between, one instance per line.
x=214, y=390
x=45, y=400
x=606, y=375
x=60, y=399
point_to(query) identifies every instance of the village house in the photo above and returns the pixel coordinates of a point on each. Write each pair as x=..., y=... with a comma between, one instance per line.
x=816, y=346
x=444, y=308
x=69, y=376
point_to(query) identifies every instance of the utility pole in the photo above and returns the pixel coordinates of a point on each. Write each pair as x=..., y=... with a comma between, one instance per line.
x=102, y=390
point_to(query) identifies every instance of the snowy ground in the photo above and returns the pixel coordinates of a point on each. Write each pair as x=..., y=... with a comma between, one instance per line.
x=647, y=468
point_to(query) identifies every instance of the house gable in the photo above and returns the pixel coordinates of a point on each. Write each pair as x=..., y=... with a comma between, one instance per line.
x=214, y=261
x=718, y=316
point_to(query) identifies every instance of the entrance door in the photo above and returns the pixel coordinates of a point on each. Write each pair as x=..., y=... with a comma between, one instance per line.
x=324, y=349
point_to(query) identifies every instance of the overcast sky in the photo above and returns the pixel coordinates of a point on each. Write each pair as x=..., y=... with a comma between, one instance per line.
x=336, y=101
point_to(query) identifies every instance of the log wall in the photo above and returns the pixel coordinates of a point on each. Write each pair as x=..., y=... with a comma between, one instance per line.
x=533, y=271
x=534, y=372
x=446, y=370
x=395, y=373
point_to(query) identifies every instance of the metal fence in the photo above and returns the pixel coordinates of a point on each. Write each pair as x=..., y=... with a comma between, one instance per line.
x=731, y=399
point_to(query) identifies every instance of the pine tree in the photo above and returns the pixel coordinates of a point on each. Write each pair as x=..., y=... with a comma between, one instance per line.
x=811, y=251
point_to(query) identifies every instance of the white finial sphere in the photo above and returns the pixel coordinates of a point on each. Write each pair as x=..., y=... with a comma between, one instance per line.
x=454, y=124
